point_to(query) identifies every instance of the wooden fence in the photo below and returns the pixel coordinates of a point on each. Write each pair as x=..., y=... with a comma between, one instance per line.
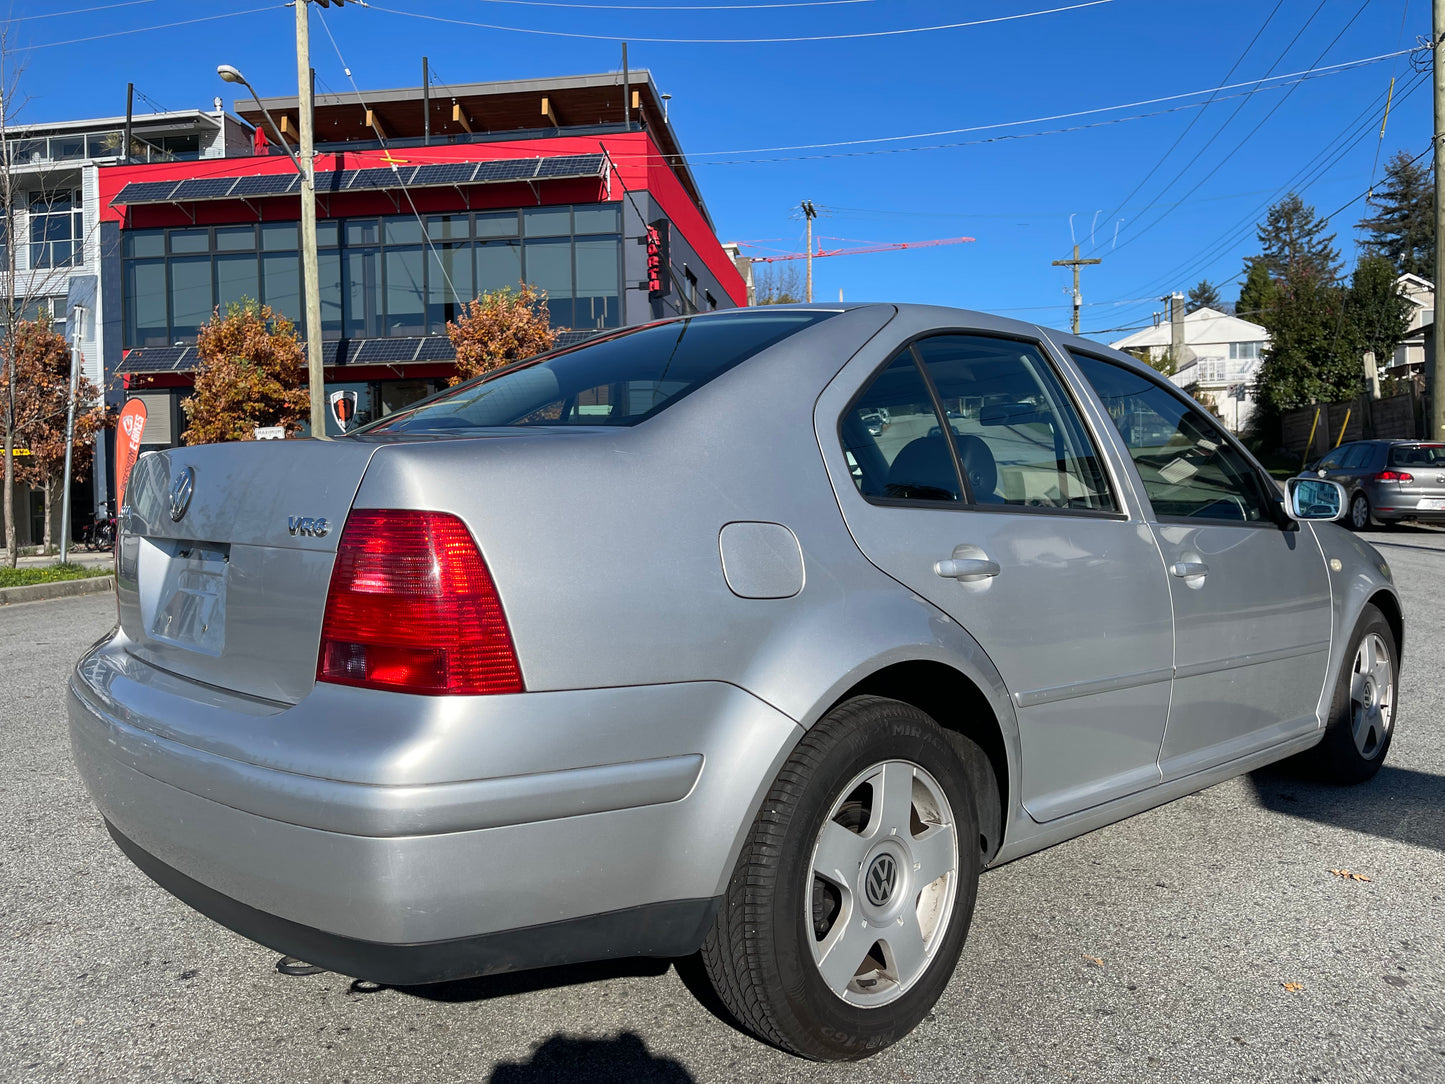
x=1313, y=431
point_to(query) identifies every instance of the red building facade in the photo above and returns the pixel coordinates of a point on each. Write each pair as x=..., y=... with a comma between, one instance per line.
x=427, y=201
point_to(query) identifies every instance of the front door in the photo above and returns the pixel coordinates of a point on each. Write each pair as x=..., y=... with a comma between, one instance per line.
x=1252, y=612
x=967, y=475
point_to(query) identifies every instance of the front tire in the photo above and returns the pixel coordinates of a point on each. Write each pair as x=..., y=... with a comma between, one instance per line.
x=1362, y=712
x=1359, y=517
x=849, y=905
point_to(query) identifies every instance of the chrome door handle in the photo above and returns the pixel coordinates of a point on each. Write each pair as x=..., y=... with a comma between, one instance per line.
x=967, y=569
x=1189, y=569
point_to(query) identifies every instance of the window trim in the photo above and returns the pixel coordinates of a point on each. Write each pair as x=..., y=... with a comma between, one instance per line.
x=969, y=504
x=1276, y=519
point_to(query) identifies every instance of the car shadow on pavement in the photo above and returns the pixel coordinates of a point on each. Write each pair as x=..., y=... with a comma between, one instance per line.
x=566, y=1060
x=1399, y=803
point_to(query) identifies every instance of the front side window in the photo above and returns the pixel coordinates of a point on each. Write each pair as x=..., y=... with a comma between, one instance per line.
x=623, y=379
x=1188, y=467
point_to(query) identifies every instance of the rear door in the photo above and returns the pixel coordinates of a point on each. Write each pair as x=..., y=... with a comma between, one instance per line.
x=984, y=493
x=1252, y=615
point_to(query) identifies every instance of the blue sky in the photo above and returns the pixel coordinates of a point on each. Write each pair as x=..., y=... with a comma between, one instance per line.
x=1025, y=199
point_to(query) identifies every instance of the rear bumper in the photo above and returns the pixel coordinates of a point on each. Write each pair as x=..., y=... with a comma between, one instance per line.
x=675, y=928
x=447, y=837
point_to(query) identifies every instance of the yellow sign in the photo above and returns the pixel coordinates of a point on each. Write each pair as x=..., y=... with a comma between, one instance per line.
x=19, y=451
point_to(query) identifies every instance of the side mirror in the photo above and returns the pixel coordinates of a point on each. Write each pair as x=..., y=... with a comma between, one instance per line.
x=1314, y=498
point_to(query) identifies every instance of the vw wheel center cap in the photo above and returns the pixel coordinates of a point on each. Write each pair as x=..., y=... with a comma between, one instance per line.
x=881, y=879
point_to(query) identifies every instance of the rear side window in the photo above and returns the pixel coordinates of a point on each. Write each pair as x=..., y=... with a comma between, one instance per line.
x=1418, y=455
x=894, y=441
x=620, y=380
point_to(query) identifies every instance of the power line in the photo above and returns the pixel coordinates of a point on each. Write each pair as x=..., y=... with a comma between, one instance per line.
x=741, y=41
x=676, y=7
x=83, y=11
x=1250, y=135
x=147, y=29
x=1195, y=119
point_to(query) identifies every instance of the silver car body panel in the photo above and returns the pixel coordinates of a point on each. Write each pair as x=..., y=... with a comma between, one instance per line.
x=686, y=597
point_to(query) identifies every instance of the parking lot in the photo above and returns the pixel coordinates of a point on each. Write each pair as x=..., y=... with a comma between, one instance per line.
x=1209, y=940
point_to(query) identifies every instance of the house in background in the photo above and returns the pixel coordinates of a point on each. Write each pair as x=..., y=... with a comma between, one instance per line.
x=1221, y=357
x=1409, y=357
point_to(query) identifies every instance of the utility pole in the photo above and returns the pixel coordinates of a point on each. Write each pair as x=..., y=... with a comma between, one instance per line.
x=1176, y=327
x=70, y=436
x=310, y=272
x=1077, y=263
x=1435, y=375
x=810, y=212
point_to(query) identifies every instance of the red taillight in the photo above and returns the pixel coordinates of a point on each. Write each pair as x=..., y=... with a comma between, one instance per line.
x=412, y=608
x=1394, y=476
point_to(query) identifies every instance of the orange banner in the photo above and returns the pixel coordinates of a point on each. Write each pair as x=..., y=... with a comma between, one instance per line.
x=127, y=446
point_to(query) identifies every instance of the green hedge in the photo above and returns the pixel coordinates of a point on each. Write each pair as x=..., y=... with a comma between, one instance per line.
x=24, y=577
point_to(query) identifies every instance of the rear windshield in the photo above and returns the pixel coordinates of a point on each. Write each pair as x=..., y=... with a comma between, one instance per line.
x=620, y=380
x=1417, y=455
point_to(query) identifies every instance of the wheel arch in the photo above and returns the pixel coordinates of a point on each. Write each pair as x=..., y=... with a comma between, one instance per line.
x=1389, y=605
x=960, y=707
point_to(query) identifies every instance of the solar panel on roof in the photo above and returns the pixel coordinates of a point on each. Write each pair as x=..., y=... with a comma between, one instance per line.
x=381, y=351
x=577, y=165
x=203, y=188
x=450, y=173
x=267, y=184
x=146, y=192
x=506, y=171
x=436, y=348
x=384, y=177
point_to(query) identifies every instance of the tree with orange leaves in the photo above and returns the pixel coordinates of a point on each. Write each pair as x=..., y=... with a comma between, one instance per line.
x=42, y=406
x=252, y=374
x=499, y=327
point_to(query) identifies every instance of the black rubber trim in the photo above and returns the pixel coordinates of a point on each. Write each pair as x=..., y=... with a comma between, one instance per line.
x=674, y=928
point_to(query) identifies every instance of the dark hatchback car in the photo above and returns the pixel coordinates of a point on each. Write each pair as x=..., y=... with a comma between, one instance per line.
x=1388, y=480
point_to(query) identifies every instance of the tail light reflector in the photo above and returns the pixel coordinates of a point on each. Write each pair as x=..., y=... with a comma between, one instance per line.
x=1394, y=476
x=412, y=608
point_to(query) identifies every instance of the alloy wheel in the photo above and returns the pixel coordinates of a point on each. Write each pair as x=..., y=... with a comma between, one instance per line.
x=1372, y=695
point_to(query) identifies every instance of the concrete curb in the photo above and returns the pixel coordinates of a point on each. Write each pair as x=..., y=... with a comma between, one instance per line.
x=38, y=592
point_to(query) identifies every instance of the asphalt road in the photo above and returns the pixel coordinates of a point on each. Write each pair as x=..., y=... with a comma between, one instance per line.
x=1156, y=949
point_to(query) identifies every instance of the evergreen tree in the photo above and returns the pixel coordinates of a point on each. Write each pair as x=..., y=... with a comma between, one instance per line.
x=1204, y=296
x=1256, y=293
x=1402, y=230
x=1293, y=242
x=1311, y=354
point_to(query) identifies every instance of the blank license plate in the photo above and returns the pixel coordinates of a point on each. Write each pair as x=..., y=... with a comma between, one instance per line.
x=1431, y=504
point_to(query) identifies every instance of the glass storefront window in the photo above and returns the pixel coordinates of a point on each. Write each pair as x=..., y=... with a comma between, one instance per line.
x=604, y=218
x=277, y=236
x=405, y=307
x=235, y=279
x=402, y=230
x=499, y=263
x=547, y=221
x=362, y=290
x=597, y=284
x=549, y=268
x=503, y=224
x=145, y=243
x=450, y=283
x=235, y=239
x=449, y=227
x=191, y=240
x=363, y=231
x=145, y=303
x=191, y=301
x=281, y=284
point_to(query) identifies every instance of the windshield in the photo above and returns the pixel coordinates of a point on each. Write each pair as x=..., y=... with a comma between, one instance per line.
x=620, y=380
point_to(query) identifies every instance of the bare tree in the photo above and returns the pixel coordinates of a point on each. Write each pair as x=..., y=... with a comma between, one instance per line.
x=24, y=290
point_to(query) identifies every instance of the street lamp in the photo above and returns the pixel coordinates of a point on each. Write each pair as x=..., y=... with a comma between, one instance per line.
x=306, y=166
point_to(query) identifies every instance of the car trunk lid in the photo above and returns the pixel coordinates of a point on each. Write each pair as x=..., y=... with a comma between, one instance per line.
x=225, y=557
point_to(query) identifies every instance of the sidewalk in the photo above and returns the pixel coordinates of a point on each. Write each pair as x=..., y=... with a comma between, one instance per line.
x=78, y=556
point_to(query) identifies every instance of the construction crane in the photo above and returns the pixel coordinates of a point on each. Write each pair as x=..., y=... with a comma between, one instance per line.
x=894, y=247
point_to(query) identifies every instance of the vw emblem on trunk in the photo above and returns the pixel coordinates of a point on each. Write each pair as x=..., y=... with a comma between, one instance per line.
x=182, y=486
x=882, y=876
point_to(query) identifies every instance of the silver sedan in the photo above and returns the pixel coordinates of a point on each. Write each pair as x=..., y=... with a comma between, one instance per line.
x=756, y=634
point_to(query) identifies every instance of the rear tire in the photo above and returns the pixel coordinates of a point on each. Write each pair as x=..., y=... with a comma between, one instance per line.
x=852, y=897
x=1361, y=723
